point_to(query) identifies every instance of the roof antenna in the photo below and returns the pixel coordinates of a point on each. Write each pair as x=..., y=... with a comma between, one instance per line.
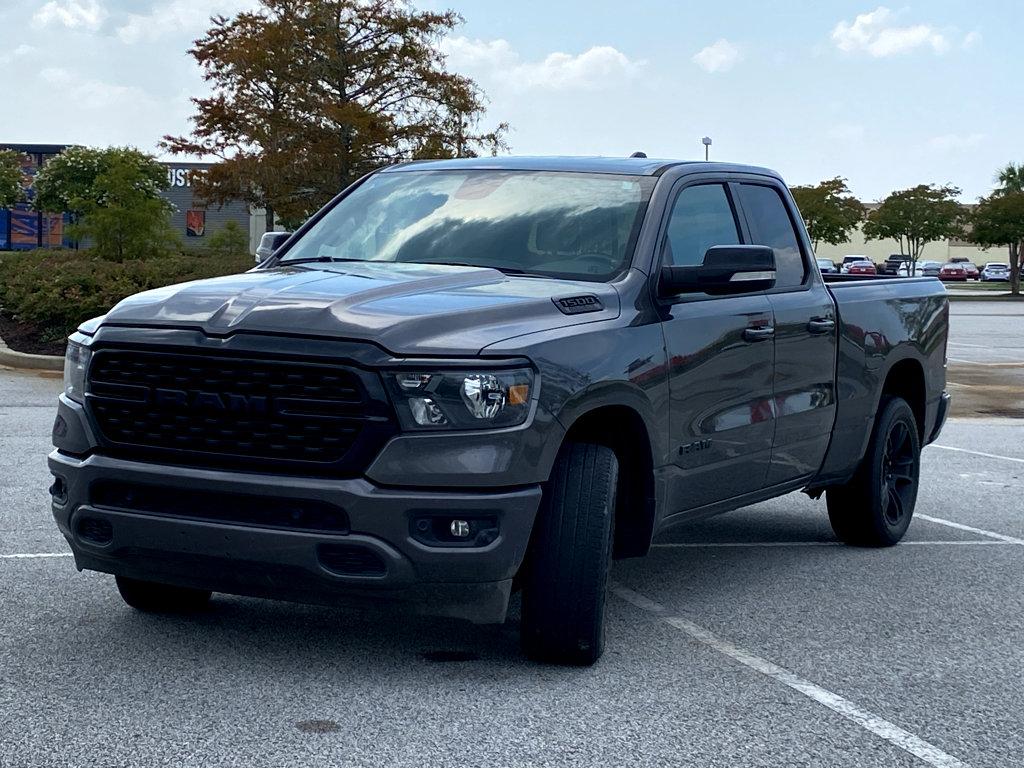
x=639, y=155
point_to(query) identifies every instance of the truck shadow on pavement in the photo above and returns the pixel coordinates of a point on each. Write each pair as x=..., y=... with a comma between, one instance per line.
x=288, y=638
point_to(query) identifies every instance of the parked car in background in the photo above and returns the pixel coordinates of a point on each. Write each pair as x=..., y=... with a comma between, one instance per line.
x=826, y=266
x=995, y=271
x=849, y=259
x=928, y=269
x=967, y=264
x=953, y=271
x=863, y=267
x=893, y=264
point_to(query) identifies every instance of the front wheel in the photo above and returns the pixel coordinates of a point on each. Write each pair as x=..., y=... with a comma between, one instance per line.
x=565, y=580
x=875, y=507
x=158, y=598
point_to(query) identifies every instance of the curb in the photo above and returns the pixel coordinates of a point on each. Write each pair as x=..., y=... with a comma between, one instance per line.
x=15, y=359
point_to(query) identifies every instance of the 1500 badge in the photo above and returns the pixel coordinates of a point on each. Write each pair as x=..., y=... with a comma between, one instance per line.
x=693, y=448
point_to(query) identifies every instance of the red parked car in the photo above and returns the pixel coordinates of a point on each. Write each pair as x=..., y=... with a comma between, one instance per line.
x=971, y=269
x=861, y=268
x=953, y=271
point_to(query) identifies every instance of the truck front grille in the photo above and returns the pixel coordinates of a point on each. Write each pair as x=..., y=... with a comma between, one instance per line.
x=218, y=410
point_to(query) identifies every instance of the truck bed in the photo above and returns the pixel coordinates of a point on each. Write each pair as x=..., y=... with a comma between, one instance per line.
x=882, y=320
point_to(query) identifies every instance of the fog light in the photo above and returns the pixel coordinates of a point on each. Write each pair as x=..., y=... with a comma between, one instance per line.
x=460, y=529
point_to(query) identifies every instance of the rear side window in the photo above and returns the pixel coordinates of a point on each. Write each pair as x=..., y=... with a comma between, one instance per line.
x=770, y=225
x=702, y=217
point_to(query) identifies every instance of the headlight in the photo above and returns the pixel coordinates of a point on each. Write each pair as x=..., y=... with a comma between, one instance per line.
x=462, y=400
x=76, y=362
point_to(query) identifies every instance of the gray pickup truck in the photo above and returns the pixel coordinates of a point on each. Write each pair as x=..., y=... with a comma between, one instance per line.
x=464, y=378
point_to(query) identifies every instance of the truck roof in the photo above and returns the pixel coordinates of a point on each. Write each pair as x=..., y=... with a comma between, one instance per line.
x=594, y=165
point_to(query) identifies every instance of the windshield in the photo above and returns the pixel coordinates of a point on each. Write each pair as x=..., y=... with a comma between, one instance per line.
x=570, y=225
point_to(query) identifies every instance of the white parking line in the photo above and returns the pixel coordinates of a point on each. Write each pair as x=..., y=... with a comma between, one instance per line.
x=1007, y=541
x=37, y=555
x=1008, y=364
x=878, y=726
x=972, y=529
x=977, y=453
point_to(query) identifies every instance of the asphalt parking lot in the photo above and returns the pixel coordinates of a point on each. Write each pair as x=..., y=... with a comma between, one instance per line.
x=749, y=639
x=986, y=358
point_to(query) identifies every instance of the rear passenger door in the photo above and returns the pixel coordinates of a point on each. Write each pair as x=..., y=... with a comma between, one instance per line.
x=720, y=376
x=804, y=402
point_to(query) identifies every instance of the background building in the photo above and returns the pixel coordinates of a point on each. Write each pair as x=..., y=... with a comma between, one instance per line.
x=22, y=228
x=938, y=251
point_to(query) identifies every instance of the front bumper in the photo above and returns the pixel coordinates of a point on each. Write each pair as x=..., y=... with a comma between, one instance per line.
x=472, y=582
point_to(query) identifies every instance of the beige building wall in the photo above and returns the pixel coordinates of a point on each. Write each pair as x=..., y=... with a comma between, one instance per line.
x=939, y=251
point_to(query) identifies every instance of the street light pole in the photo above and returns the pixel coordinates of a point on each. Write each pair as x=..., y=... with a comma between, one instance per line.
x=706, y=141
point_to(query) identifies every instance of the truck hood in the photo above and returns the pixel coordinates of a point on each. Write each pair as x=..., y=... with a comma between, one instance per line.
x=409, y=309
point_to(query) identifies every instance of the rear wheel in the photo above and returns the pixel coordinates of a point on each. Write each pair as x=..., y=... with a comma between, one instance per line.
x=565, y=581
x=874, y=509
x=158, y=598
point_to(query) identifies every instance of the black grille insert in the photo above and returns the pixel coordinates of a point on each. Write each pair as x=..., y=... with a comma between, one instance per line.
x=351, y=560
x=234, y=411
x=248, y=510
x=95, y=530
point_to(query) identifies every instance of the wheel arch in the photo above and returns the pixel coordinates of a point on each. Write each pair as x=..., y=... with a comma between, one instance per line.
x=621, y=428
x=905, y=379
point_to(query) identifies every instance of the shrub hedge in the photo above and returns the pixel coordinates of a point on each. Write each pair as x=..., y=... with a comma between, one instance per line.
x=56, y=290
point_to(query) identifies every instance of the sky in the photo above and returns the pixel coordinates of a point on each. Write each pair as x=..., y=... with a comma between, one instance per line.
x=887, y=96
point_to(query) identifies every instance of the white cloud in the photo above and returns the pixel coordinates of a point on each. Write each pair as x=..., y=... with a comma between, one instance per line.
x=95, y=94
x=955, y=142
x=720, y=56
x=88, y=14
x=971, y=39
x=20, y=52
x=876, y=34
x=558, y=71
x=170, y=18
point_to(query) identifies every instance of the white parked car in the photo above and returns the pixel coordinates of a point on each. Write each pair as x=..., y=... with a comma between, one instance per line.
x=996, y=271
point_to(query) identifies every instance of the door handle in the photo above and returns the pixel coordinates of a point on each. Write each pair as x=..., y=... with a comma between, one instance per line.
x=758, y=333
x=821, y=325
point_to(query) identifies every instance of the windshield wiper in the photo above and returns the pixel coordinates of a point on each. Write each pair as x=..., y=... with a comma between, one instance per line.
x=506, y=270
x=319, y=259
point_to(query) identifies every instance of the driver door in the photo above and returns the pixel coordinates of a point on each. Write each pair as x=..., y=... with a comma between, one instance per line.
x=720, y=373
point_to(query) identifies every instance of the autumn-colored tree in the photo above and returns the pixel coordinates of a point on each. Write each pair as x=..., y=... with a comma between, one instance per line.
x=915, y=217
x=829, y=210
x=309, y=95
x=11, y=191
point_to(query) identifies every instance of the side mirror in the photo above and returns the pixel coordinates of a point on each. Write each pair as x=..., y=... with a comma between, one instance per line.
x=726, y=270
x=269, y=243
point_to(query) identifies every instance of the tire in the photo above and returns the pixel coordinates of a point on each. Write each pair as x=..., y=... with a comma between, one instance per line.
x=565, y=583
x=875, y=507
x=162, y=599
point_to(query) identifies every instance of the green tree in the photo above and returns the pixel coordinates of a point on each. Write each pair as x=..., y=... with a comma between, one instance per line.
x=309, y=95
x=11, y=191
x=999, y=221
x=829, y=210
x=229, y=240
x=1010, y=178
x=916, y=217
x=114, y=197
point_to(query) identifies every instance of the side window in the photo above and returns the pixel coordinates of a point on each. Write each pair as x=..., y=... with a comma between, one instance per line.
x=702, y=217
x=770, y=225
